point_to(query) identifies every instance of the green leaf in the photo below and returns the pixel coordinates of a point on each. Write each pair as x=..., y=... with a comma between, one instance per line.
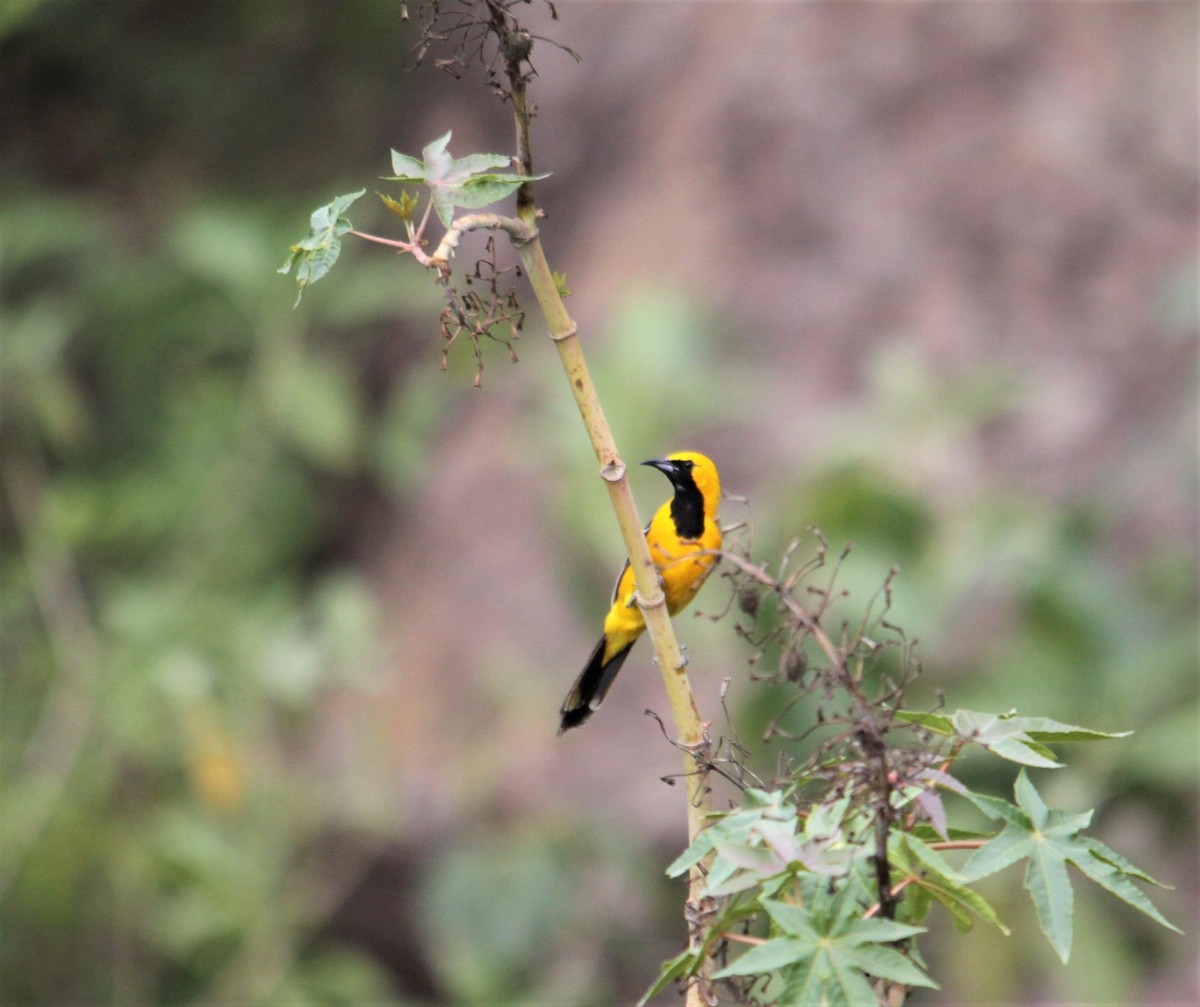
x=473, y=193
x=935, y=722
x=936, y=878
x=963, y=921
x=826, y=819
x=996, y=807
x=824, y=954
x=877, y=929
x=1004, y=736
x=1018, y=739
x=437, y=158
x=791, y=919
x=443, y=204
x=407, y=168
x=316, y=254
x=402, y=207
x=330, y=214
x=1044, y=729
x=928, y=859
x=960, y=895
x=738, y=867
x=812, y=984
x=757, y=844
x=470, y=182
x=1030, y=801
x=476, y=164
x=887, y=963
x=483, y=190
x=1006, y=849
x=928, y=834
x=768, y=957
x=734, y=828
x=673, y=969
x=1113, y=857
x=1048, y=885
x=918, y=900
x=1107, y=874
x=1050, y=839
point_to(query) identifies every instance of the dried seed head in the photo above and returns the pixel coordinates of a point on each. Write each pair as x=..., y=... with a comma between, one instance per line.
x=747, y=599
x=794, y=664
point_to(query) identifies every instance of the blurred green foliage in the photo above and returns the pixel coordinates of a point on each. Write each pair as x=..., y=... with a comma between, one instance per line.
x=175, y=447
x=177, y=442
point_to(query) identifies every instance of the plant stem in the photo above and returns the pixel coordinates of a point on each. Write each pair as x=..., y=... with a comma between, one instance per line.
x=651, y=600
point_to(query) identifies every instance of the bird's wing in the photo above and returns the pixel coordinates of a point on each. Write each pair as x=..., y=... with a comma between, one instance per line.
x=621, y=576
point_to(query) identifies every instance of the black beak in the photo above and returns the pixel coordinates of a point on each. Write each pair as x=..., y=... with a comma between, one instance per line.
x=664, y=465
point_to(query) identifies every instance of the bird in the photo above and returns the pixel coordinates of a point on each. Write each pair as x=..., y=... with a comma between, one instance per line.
x=682, y=536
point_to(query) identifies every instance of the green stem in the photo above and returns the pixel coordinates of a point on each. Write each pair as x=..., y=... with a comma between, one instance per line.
x=514, y=48
x=671, y=663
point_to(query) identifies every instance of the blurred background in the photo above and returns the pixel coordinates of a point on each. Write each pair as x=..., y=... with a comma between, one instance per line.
x=287, y=613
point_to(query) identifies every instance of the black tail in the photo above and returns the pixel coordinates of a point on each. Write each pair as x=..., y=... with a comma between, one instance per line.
x=591, y=686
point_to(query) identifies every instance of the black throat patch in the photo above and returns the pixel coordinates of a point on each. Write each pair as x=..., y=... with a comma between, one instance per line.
x=687, y=507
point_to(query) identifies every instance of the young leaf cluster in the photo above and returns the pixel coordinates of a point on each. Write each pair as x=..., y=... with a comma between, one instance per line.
x=465, y=183
x=469, y=182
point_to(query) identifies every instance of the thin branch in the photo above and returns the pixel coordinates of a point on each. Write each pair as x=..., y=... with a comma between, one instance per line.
x=404, y=246
x=893, y=893
x=729, y=935
x=519, y=231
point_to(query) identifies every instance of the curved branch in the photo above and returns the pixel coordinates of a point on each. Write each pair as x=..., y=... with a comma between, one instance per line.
x=518, y=231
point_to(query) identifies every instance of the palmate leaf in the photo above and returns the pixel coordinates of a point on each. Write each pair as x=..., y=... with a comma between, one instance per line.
x=315, y=255
x=824, y=953
x=469, y=182
x=1019, y=739
x=1050, y=839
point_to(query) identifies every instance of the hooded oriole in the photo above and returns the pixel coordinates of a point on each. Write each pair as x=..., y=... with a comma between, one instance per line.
x=683, y=526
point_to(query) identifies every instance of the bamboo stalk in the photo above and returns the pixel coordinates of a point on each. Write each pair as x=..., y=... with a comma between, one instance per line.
x=514, y=48
x=689, y=727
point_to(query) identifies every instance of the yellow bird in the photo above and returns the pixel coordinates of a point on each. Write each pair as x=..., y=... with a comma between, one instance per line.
x=682, y=527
